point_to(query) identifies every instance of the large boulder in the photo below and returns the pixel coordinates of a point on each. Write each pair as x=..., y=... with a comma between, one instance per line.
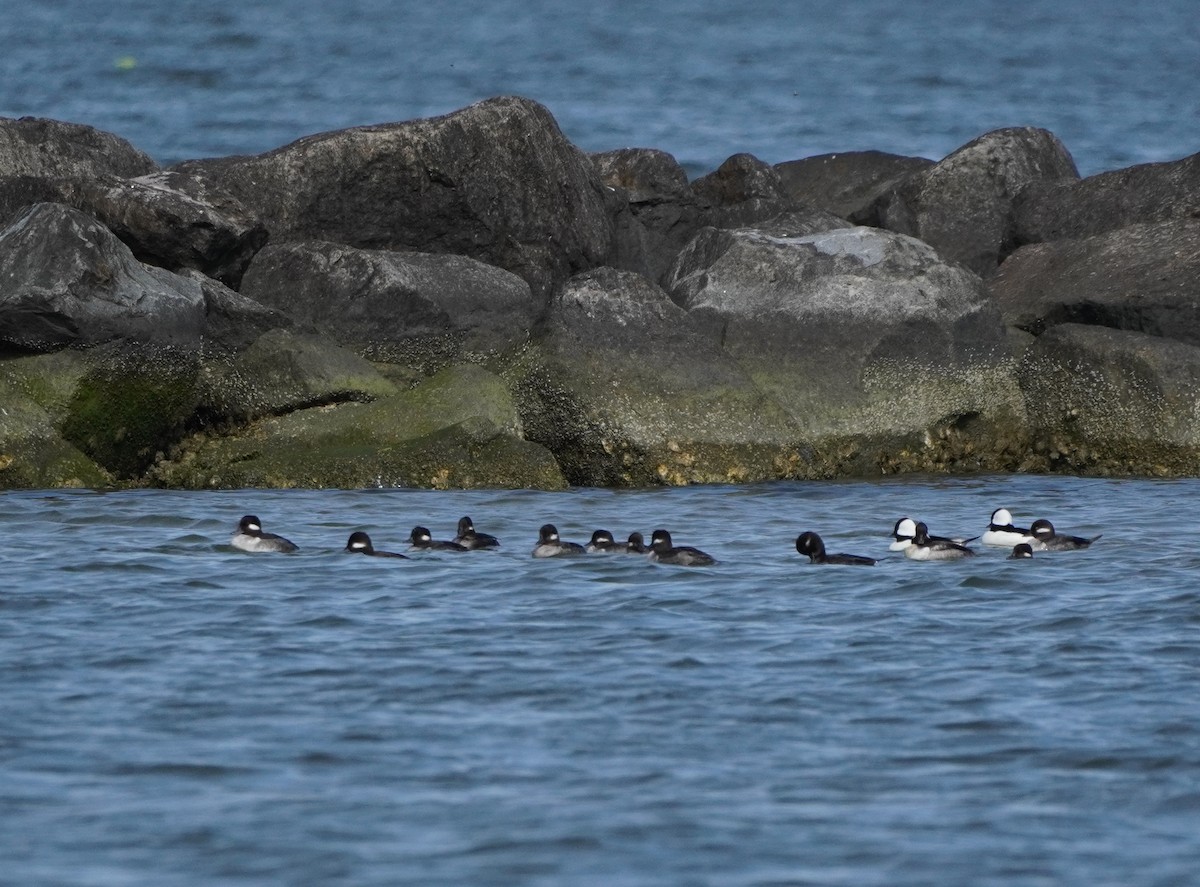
x=49, y=149
x=847, y=184
x=1144, y=278
x=626, y=390
x=421, y=310
x=1143, y=194
x=66, y=280
x=858, y=333
x=33, y=454
x=164, y=225
x=161, y=223
x=664, y=213
x=741, y=191
x=963, y=205
x=457, y=429
x=284, y=371
x=1105, y=401
x=497, y=181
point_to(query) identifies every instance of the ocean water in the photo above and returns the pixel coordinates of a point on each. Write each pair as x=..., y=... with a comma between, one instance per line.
x=175, y=712
x=1119, y=82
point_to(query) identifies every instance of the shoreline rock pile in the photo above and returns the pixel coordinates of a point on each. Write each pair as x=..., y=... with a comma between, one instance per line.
x=472, y=301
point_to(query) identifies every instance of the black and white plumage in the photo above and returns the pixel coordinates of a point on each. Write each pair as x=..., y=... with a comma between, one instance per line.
x=422, y=540
x=550, y=545
x=470, y=539
x=1047, y=539
x=662, y=551
x=906, y=528
x=360, y=543
x=925, y=548
x=811, y=545
x=1001, y=532
x=250, y=537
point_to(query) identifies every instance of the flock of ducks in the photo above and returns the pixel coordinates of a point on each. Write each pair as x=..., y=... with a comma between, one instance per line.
x=910, y=537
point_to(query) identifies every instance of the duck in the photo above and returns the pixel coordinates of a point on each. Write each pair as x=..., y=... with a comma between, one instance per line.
x=810, y=544
x=925, y=548
x=1049, y=540
x=662, y=551
x=550, y=545
x=1021, y=551
x=636, y=544
x=360, y=543
x=250, y=537
x=422, y=540
x=906, y=528
x=602, y=542
x=1002, y=533
x=470, y=539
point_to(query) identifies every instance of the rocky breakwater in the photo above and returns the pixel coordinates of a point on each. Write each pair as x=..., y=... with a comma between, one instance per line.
x=470, y=300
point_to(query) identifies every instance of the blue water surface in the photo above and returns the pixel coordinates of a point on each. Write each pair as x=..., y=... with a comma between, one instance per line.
x=1118, y=82
x=175, y=712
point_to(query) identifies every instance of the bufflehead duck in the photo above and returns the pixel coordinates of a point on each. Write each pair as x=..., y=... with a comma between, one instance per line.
x=250, y=537
x=1002, y=532
x=664, y=552
x=1021, y=551
x=924, y=548
x=603, y=543
x=636, y=544
x=810, y=544
x=549, y=545
x=1049, y=540
x=468, y=538
x=422, y=539
x=906, y=528
x=360, y=543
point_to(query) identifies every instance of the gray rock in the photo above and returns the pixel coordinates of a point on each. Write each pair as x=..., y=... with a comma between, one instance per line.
x=420, y=310
x=655, y=213
x=233, y=321
x=50, y=149
x=1143, y=278
x=847, y=184
x=497, y=181
x=1150, y=192
x=625, y=390
x=742, y=191
x=962, y=206
x=165, y=226
x=1104, y=401
x=854, y=332
x=67, y=280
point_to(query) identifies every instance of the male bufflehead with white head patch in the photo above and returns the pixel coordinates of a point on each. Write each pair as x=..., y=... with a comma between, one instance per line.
x=549, y=545
x=1001, y=531
x=1049, y=540
x=925, y=548
x=360, y=543
x=810, y=544
x=906, y=528
x=250, y=537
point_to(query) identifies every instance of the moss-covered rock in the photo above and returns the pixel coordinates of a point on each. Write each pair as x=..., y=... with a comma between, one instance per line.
x=283, y=371
x=33, y=455
x=458, y=429
x=131, y=403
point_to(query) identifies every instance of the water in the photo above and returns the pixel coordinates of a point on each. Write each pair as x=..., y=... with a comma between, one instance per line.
x=178, y=713
x=1119, y=82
